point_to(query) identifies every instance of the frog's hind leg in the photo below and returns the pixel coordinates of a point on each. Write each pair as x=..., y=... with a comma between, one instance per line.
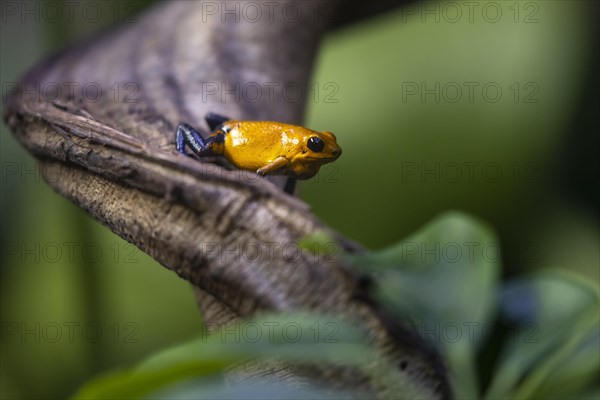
x=188, y=135
x=215, y=120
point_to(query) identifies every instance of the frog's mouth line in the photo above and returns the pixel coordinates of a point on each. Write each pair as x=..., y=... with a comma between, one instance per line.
x=321, y=158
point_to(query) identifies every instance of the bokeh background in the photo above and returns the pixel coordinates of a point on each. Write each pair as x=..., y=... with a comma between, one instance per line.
x=519, y=151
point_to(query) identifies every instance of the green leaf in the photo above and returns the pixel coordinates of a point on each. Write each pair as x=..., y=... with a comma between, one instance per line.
x=445, y=279
x=259, y=390
x=559, y=330
x=131, y=384
x=298, y=338
x=577, y=370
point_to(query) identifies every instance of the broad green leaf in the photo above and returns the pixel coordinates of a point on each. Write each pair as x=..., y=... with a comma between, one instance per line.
x=576, y=371
x=445, y=279
x=593, y=394
x=446, y=273
x=131, y=384
x=559, y=320
x=259, y=390
x=297, y=338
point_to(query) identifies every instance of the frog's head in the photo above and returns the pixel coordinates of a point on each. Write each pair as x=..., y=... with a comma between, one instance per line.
x=316, y=149
x=319, y=147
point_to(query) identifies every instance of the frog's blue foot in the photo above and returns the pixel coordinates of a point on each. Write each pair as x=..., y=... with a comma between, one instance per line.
x=188, y=135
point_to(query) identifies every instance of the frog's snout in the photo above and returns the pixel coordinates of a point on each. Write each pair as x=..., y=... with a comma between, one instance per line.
x=336, y=152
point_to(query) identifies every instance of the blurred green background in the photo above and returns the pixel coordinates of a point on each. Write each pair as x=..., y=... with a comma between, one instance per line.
x=523, y=158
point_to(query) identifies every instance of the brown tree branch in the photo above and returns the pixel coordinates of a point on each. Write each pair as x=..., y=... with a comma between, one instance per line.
x=113, y=155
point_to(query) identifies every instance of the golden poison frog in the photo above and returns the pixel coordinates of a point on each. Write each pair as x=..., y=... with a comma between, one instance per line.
x=265, y=147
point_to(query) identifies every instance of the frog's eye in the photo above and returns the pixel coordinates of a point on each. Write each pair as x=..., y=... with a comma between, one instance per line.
x=316, y=144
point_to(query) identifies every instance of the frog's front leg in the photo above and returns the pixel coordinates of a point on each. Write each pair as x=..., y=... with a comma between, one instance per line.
x=273, y=166
x=290, y=186
x=188, y=135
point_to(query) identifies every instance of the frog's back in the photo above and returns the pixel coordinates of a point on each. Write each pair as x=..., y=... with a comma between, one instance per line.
x=253, y=144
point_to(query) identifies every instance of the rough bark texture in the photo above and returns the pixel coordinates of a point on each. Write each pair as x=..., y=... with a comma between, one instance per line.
x=113, y=155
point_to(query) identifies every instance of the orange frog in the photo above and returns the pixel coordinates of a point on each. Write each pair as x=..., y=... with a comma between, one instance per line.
x=265, y=147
